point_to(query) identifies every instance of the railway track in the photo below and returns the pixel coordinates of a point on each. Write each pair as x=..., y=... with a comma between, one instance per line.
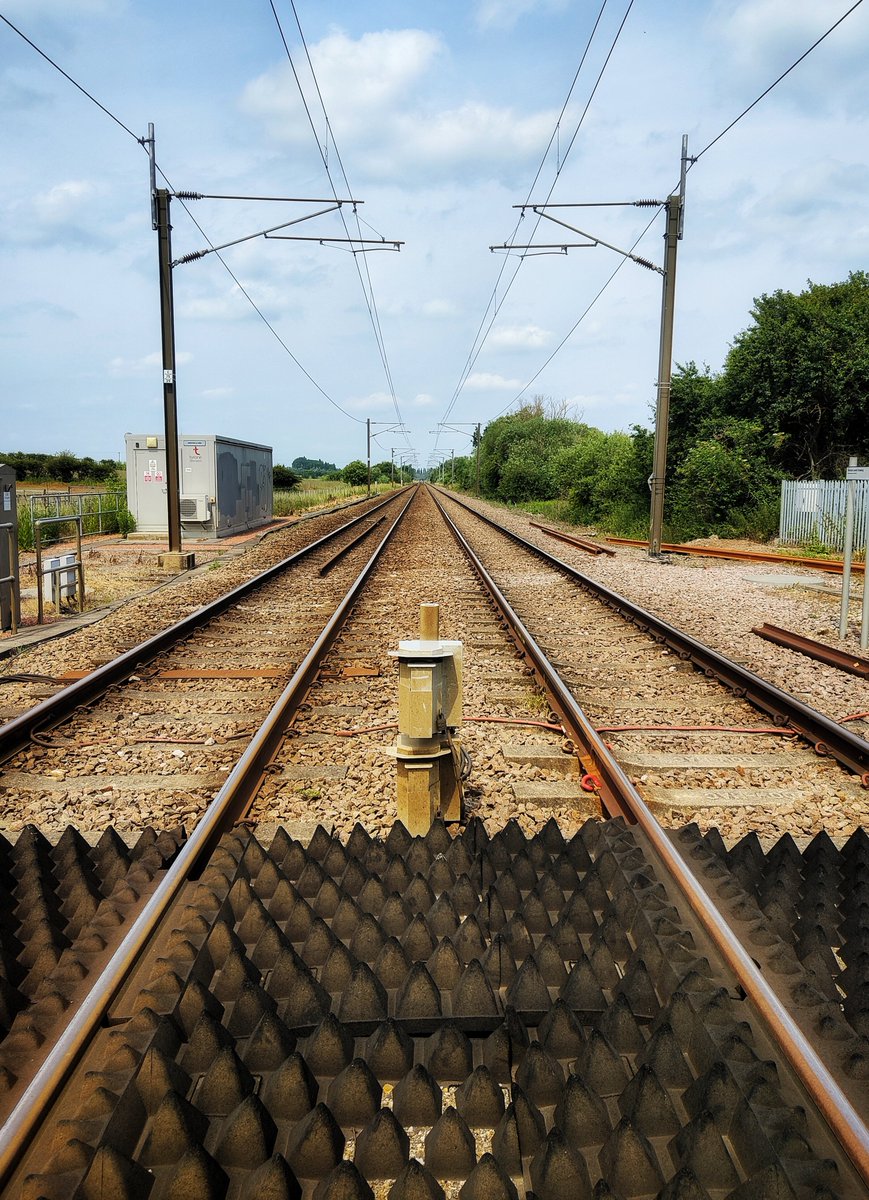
x=532, y=1008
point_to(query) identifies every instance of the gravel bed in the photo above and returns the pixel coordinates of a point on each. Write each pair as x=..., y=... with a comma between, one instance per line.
x=155, y=749
x=717, y=602
x=422, y=565
x=720, y=602
x=796, y=790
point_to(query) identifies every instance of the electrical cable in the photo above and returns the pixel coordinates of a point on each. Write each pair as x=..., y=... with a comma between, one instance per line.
x=236, y=281
x=367, y=291
x=472, y=357
x=576, y=323
x=691, y=163
x=478, y=345
x=257, y=309
x=84, y=91
x=775, y=82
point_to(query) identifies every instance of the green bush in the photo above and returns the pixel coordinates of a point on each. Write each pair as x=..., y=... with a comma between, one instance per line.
x=125, y=522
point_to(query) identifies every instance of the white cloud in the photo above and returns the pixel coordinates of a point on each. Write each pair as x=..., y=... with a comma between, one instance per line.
x=422, y=400
x=484, y=381
x=374, y=402
x=64, y=200
x=123, y=368
x=376, y=92
x=356, y=77
x=521, y=335
x=438, y=308
x=763, y=37
x=503, y=14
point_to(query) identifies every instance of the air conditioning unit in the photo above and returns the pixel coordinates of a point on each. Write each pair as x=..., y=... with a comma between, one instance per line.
x=194, y=508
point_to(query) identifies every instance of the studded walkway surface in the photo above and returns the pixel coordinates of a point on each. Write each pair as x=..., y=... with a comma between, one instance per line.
x=488, y=1018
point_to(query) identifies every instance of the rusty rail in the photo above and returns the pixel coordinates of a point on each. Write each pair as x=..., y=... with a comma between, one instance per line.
x=825, y=734
x=572, y=540
x=852, y=663
x=843, y=1120
x=834, y=566
x=15, y=734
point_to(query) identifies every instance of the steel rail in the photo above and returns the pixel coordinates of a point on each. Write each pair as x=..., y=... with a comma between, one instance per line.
x=832, y=565
x=233, y=799
x=615, y=789
x=825, y=734
x=16, y=734
x=832, y=656
x=583, y=543
x=844, y=1122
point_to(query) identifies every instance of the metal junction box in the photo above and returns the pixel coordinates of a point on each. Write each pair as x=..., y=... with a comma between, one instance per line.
x=10, y=598
x=226, y=485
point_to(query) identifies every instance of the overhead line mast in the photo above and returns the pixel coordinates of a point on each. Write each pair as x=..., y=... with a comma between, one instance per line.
x=160, y=221
x=674, y=206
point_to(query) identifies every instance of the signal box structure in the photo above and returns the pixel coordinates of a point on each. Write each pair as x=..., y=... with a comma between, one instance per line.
x=226, y=485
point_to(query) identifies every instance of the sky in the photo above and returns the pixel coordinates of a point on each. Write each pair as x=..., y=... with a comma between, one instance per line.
x=438, y=118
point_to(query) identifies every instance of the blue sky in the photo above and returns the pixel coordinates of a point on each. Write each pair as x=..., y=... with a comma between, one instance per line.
x=441, y=114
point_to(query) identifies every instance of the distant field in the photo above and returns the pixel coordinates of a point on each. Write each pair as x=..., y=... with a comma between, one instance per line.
x=316, y=493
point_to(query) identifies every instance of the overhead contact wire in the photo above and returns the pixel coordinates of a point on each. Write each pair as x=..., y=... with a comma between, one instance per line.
x=141, y=142
x=368, y=292
x=695, y=158
x=370, y=299
x=478, y=350
x=472, y=356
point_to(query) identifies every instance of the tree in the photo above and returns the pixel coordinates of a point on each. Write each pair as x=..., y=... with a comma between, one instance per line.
x=312, y=468
x=728, y=482
x=695, y=409
x=517, y=453
x=284, y=478
x=355, y=473
x=802, y=369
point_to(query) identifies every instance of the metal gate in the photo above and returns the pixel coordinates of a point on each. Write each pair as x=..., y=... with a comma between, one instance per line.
x=814, y=511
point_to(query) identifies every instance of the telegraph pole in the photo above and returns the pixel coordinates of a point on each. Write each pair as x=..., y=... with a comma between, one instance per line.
x=160, y=198
x=167, y=333
x=674, y=207
x=665, y=369
x=368, y=444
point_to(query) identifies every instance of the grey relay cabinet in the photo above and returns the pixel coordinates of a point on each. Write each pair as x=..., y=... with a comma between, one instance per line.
x=226, y=485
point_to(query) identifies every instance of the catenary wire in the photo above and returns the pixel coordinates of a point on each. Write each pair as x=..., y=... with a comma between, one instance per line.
x=694, y=159
x=223, y=262
x=477, y=343
x=368, y=292
x=69, y=78
x=477, y=349
x=775, y=82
